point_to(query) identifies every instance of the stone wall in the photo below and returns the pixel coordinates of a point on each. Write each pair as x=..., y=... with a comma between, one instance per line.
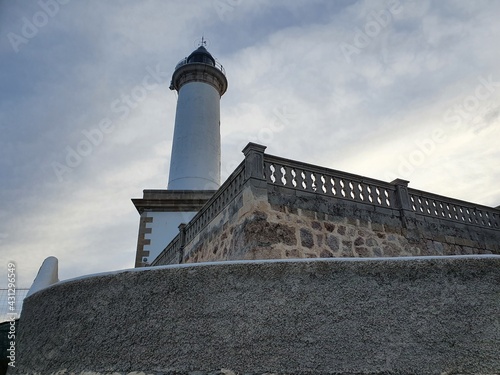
x=269, y=222
x=329, y=316
x=274, y=208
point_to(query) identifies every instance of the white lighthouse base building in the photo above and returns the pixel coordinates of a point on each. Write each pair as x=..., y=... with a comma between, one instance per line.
x=162, y=211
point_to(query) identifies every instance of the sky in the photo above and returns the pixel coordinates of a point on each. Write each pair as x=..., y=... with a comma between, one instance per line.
x=384, y=89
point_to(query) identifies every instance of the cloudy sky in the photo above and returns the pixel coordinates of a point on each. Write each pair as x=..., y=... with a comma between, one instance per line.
x=385, y=89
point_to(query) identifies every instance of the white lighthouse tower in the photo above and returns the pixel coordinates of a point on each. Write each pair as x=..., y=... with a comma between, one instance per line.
x=195, y=159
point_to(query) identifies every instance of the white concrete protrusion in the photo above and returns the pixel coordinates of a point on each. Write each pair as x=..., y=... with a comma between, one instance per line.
x=47, y=275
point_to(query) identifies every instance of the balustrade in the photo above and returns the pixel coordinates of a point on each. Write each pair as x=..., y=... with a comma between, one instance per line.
x=304, y=177
x=171, y=253
x=428, y=204
x=309, y=178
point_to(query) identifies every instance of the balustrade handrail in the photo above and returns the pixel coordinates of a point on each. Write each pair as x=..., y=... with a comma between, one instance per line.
x=331, y=182
x=438, y=206
x=175, y=244
x=325, y=170
x=169, y=252
x=435, y=196
x=210, y=204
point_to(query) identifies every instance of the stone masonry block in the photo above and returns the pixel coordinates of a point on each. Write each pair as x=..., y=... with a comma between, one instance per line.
x=450, y=239
x=316, y=225
x=333, y=242
x=308, y=213
x=439, y=248
x=359, y=241
x=346, y=245
x=293, y=253
x=391, y=250
x=352, y=221
x=362, y=252
x=278, y=207
x=263, y=232
x=306, y=238
x=319, y=240
x=326, y=254
x=363, y=223
x=329, y=226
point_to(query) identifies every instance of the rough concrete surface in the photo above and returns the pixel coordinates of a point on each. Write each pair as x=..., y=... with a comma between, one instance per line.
x=411, y=316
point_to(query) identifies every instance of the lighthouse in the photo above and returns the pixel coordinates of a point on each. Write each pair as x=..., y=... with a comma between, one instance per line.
x=195, y=159
x=194, y=175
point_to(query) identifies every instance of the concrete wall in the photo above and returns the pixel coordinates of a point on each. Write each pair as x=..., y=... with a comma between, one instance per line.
x=414, y=316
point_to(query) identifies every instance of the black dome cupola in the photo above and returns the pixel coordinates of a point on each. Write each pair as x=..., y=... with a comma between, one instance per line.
x=201, y=55
x=199, y=66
